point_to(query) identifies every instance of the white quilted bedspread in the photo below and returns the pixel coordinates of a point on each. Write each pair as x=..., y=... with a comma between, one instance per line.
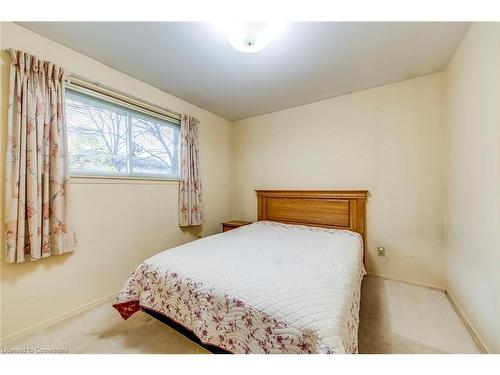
x=262, y=288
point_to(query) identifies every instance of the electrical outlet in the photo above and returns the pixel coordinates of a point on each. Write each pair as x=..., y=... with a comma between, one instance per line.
x=381, y=251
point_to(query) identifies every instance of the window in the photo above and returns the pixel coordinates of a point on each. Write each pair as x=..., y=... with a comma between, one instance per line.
x=110, y=138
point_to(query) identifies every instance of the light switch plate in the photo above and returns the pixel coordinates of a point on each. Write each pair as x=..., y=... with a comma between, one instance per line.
x=381, y=251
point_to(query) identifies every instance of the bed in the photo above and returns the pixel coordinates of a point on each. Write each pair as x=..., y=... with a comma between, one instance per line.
x=288, y=283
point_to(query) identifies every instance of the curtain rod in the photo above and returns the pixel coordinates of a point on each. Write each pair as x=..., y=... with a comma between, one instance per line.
x=76, y=77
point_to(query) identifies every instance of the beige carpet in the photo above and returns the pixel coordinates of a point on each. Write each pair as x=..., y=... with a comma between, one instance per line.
x=401, y=318
x=395, y=318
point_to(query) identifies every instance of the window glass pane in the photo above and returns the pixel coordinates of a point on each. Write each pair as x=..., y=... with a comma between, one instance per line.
x=154, y=145
x=96, y=135
x=109, y=139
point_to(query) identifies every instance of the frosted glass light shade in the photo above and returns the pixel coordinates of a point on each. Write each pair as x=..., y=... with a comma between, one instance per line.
x=252, y=36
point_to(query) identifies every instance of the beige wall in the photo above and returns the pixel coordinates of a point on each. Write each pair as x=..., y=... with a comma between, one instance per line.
x=118, y=224
x=473, y=179
x=388, y=140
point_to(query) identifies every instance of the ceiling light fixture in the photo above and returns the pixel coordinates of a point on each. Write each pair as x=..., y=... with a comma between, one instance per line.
x=250, y=37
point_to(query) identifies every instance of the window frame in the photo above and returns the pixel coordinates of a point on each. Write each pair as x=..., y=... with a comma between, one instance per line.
x=130, y=105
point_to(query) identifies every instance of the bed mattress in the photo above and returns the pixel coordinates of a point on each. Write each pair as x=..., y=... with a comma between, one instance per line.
x=262, y=288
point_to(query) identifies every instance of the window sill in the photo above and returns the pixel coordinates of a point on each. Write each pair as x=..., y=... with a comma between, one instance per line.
x=88, y=179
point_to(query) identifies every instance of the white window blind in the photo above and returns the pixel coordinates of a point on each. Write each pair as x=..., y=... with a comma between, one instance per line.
x=110, y=137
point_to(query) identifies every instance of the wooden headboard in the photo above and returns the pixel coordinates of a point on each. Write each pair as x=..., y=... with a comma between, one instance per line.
x=343, y=209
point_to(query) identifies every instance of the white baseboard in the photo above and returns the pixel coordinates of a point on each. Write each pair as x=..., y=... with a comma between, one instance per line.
x=467, y=322
x=407, y=282
x=49, y=322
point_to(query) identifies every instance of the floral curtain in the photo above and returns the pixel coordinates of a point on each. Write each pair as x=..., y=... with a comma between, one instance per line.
x=37, y=187
x=190, y=204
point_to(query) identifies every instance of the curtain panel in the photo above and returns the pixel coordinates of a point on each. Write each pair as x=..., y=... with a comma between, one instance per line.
x=190, y=202
x=37, y=178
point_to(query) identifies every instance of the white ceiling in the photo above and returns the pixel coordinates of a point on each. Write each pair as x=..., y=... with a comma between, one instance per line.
x=307, y=63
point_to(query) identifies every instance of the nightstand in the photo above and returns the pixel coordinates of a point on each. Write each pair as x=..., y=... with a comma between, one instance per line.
x=230, y=225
